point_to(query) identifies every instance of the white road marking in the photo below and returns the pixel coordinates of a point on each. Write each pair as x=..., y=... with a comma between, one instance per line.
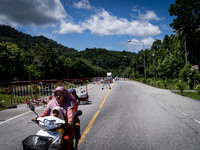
x=181, y=112
x=17, y=116
x=197, y=121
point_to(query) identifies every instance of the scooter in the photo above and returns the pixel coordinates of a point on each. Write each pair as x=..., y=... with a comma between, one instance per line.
x=50, y=137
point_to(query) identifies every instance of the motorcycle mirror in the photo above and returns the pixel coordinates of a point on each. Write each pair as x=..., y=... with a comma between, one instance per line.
x=31, y=107
x=78, y=113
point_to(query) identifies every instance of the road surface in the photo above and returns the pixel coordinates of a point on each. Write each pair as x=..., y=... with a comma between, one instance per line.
x=130, y=116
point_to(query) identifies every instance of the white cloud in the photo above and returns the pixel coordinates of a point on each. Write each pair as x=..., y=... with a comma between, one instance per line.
x=136, y=45
x=149, y=15
x=31, y=12
x=148, y=41
x=66, y=28
x=51, y=12
x=104, y=23
x=83, y=4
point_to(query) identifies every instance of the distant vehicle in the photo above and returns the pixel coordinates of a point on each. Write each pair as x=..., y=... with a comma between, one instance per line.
x=83, y=96
x=109, y=74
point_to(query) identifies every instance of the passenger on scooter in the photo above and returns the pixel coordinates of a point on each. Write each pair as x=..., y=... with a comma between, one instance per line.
x=57, y=112
x=76, y=119
x=73, y=92
x=66, y=101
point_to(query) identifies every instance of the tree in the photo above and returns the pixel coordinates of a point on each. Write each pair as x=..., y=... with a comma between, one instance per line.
x=170, y=65
x=11, y=62
x=187, y=25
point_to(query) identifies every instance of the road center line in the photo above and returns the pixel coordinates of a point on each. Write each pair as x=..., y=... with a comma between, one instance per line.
x=93, y=118
x=197, y=121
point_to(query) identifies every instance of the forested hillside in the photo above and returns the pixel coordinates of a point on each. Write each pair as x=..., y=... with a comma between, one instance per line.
x=26, y=57
x=25, y=41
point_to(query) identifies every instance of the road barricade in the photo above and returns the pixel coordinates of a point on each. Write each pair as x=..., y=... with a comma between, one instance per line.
x=40, y=92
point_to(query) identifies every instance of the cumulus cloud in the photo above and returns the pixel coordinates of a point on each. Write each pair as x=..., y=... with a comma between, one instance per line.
x=148, y=41
x=103, y=23
x=69, y=27
x=136, y=45
x=31, y=12
x=52, y=12
x=149, y=15
x=83, y=4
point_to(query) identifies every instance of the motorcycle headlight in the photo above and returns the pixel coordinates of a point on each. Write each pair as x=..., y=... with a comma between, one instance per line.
x=49, y=123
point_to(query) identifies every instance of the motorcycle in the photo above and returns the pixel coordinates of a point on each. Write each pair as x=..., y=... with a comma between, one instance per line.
x=50, y=137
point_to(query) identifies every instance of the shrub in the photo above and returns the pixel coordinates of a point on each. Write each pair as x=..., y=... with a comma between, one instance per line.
x=142, y=80
x=158, y=83
x=180, y=86
x=198, y=89
x=190, y=83
x=165, y=82
x=150, y=81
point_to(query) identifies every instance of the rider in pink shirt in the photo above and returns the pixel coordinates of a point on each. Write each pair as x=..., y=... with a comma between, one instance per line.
x=66, y=101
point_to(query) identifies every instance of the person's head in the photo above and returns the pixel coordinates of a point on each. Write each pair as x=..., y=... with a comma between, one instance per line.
x=59, y=96
x=73, y=92
x=56, y=113
x=60, y=93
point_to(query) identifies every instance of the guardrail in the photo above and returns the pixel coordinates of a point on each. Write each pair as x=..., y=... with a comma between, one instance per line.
x=40, y=92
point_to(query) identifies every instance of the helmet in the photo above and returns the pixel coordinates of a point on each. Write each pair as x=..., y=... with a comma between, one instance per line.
x=72, y=91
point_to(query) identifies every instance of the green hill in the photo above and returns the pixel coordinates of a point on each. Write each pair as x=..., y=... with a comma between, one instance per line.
x=25, y=41
x=38, y=57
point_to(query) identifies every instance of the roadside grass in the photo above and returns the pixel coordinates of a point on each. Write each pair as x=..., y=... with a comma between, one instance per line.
x=172, y=86
x=193, y=95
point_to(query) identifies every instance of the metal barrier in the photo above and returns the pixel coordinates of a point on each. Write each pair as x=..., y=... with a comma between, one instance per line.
x=97, y=80
x=40, y=92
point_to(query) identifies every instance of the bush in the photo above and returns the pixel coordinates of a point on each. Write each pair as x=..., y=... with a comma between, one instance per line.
x=149, y=81
x=180, y=86
x=198, y=89
x=165, y=82
x=190, y=83
x=143, y=80
x=158, y=83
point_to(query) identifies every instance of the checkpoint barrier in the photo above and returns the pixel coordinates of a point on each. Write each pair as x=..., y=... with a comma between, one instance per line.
x=40, y=92
x=96, y=80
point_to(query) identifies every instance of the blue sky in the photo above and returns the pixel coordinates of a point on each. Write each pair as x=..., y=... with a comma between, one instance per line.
x=82, y=24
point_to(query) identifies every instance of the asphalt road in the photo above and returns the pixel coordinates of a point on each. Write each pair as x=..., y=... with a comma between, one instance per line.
x=130, y=116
